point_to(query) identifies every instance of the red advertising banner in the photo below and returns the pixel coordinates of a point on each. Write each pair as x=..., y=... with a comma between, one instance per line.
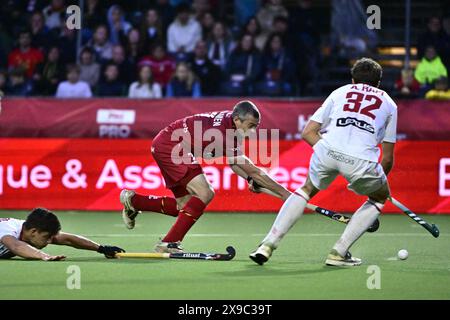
x=143, y=118
x=88, y=174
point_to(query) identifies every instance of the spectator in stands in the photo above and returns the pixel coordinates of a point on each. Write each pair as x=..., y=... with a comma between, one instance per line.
x=166, y=12
x=200, y=7
x=100, y=43
x=244, y=10
x=266, y=15
x=39, y=31
x=183, y=33
x=253, y=28
x=118, y=27
x=207, y=72
x=94, y=15
x=207, y=22
x=3, y=79
x=18, y=84
x=7, y=45
x=89, y=69
x=305, y=43
x=183, y=83
x=151, y=29
x=244, y=67
x=161, y=64
x=73, y=87
x=133, y=47
x=407, y=85
x=278, y=68
x=440, y=91
x=12, y=17
x=350, y=36
x=281, y=27
x=430, y=68
x=49, y=74
x=305, y=22
x=446, y=45
x=127, y=69
x=145, y=87
x=434, y=36
x=30, y=6
x=220, y=45
x=55, y=14
x=111, y=85
x=25, y=56
x=67, y=43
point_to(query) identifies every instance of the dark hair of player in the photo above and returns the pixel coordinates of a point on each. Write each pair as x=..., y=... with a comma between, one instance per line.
x=366, y=70
x=243, y=108
x=43, y=220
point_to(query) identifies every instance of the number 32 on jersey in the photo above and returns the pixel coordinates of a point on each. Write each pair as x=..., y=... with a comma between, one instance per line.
x=356, y=99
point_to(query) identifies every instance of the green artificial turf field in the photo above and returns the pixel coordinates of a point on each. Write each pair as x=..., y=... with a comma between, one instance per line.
x=296, y=270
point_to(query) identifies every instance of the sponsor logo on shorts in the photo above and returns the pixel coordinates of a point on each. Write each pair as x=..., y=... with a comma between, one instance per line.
x=360, y=124
x=340, y=157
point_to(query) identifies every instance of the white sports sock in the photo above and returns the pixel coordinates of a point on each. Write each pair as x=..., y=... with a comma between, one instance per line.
x=361, y=220
x=290, y=212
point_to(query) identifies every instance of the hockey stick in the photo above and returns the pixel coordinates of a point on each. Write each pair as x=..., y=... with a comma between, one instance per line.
x=231, y=252
x=325, y=212
x=433, y=229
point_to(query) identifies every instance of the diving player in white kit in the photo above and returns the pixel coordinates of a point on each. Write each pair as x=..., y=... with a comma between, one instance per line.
x=344, y=133
x=26, y=238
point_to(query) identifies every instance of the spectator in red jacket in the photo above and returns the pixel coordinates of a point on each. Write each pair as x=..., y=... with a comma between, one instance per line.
x=406, y=85
x=25, y=56
x=162, y=65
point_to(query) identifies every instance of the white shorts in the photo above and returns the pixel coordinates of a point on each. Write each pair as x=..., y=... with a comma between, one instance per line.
x=364, y=177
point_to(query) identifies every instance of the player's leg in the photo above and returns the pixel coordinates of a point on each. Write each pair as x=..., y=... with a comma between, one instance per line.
x=172, y=173
x=166, y=205
x=364, y=217
x=322, y=172
x=136, y=202
x=181, y=201
x=201, y=193
x=288, y=215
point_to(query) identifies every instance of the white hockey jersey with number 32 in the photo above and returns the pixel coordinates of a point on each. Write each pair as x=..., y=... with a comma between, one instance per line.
x=355, y=119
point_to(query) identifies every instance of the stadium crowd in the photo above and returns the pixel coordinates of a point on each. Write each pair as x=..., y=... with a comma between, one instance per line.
x=182, y=48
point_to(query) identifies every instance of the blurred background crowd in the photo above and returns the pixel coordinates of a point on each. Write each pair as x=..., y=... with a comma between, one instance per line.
x=200, y=48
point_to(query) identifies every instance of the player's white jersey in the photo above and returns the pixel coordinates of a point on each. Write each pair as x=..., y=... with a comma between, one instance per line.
x=9, y=227
x=356, y=118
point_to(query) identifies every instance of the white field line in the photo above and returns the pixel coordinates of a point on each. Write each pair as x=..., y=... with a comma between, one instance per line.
x=226, y=235
x=392, y=259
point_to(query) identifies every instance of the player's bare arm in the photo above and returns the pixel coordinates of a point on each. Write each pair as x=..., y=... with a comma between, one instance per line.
x=26, y=251
x=387, y=160
x=245, y=168
x=80, y=242
x=75, y=241
x=311, y=132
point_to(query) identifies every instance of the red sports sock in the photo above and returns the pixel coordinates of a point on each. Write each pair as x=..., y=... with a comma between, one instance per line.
x=165, y=205
x=186, y=219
